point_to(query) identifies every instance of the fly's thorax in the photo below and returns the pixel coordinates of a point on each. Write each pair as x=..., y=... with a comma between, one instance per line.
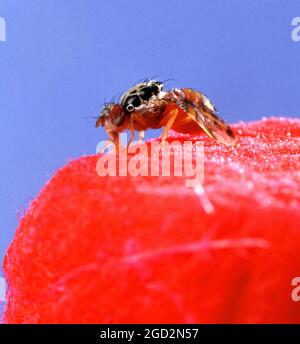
x=137, y=97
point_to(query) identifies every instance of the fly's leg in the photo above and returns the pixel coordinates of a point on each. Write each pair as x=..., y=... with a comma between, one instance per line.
x=131, y=128
x=173, y=115
x=113, y=139
x=141, y=136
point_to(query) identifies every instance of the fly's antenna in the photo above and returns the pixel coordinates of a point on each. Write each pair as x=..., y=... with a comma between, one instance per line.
x=94, y=117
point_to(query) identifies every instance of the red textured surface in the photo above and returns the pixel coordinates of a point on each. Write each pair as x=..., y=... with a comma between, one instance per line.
x=143, y=249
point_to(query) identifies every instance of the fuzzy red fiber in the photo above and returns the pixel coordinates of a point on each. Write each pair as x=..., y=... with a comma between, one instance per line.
x=96, y=249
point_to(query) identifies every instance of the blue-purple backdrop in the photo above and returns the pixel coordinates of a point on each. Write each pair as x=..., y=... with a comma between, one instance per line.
x=61, y=59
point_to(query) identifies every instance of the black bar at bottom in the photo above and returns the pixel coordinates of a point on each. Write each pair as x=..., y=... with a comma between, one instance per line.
x=144, y=333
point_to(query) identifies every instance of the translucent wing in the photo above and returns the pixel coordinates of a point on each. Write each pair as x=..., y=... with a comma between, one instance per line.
x=205, y=114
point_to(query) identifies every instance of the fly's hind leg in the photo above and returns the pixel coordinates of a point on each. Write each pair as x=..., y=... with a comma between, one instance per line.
x=131, y=128
x=141, y=136
x=114, y=139
x=173, y=115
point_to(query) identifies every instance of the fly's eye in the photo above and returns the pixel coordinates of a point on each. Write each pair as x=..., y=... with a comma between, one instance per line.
x=129, y=107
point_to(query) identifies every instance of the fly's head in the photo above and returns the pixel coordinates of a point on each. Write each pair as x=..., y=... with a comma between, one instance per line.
x=112, y=117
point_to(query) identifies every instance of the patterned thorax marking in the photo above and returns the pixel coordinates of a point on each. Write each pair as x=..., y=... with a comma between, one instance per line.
x=140, y=94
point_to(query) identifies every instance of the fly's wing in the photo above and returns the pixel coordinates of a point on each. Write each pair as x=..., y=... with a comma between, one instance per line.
x=206, y=115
